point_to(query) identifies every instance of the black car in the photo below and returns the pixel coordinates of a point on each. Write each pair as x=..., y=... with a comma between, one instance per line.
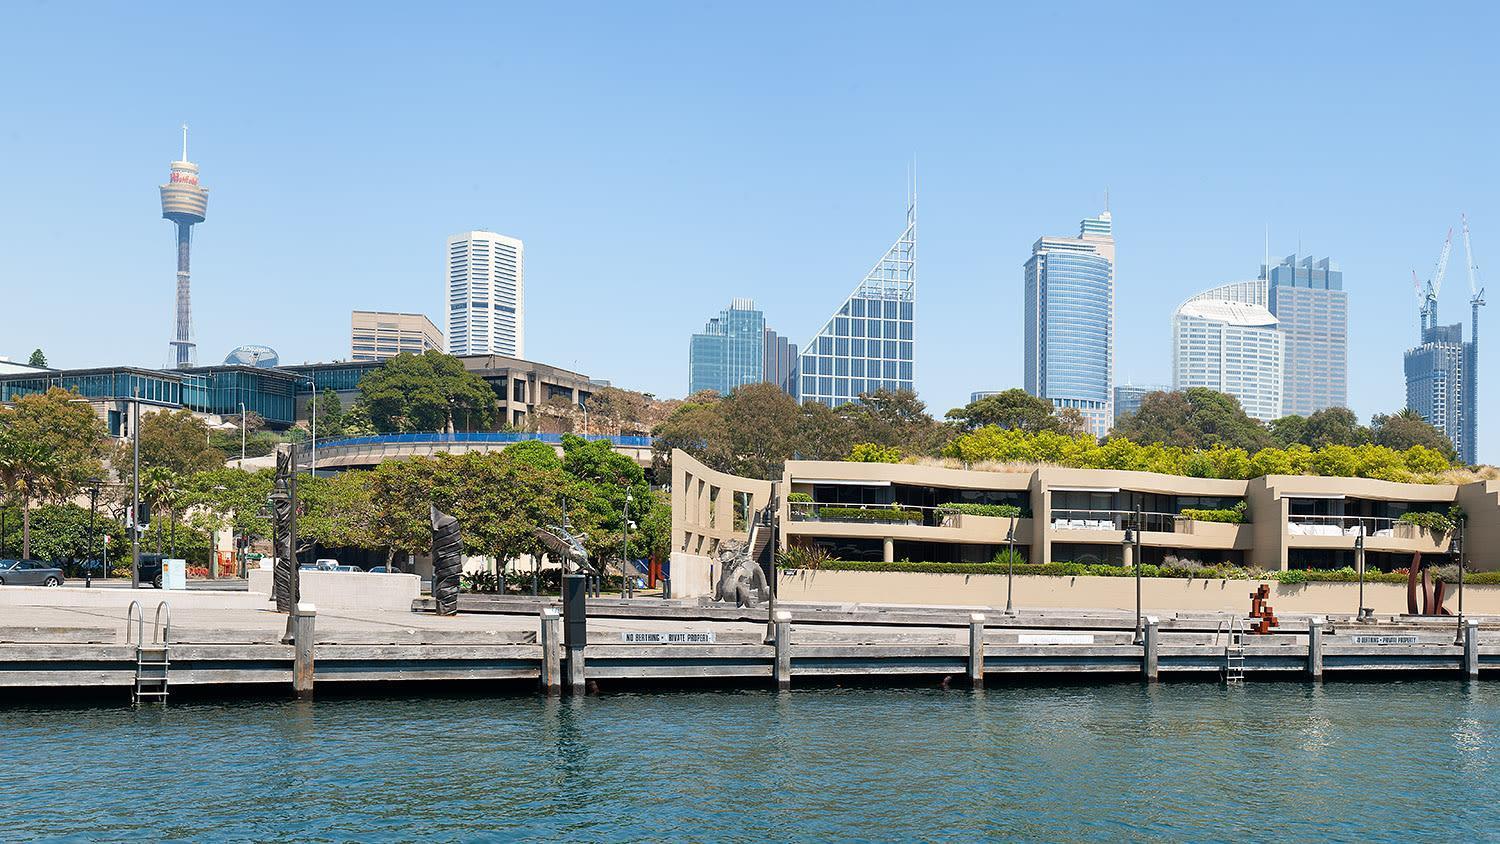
x=150, y=569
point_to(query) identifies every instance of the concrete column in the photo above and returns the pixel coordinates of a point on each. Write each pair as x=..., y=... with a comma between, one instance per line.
x=1471, y=648
x=888, y=550
x=783, y=650
x=976, y=650
x=1152, y=648
x=551, y=639
x=303, y=619
x=1315, y=649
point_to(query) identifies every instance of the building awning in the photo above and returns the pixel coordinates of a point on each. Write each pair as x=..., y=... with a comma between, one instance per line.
x=1083, y=489
x=841, y=482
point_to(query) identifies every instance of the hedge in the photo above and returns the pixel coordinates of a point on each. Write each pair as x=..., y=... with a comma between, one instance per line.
x=1435, y=522
x=1294, y=576
x=1232, y=515
x=869, y=514
x=799, y=497
x=1002, y=511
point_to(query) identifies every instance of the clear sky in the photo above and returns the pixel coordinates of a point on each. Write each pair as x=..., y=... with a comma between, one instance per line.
x=660, y=160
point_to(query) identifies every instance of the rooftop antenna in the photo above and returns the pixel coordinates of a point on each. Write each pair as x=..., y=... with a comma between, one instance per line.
x=184, y=142
x=1106, y=199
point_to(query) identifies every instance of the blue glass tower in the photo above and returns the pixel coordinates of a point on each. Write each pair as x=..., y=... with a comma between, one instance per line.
x=867, y=344
x=1070, y=321
x=730, y=353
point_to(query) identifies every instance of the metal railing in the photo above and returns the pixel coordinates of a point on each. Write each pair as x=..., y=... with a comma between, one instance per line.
x=487, y=437
x=1340, y=525
x=1112, y=520
x=824, y=511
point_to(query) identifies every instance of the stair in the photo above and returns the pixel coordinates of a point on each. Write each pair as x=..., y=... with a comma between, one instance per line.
x=153, y=661
x=1234, y=654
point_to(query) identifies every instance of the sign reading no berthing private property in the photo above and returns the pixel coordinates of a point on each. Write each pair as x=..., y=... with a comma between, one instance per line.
x=685, y=638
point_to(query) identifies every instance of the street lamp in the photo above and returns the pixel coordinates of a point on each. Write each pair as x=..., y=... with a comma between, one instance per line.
x=1132, y=543
x=242, y=436
x=625, y=590
x=88, y=569
x=1010, y=566
x=1364, y=614
x=1458, y=553
x=135, y=493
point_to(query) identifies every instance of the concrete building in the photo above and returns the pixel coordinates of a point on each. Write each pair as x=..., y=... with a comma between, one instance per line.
x=1128, y=397
x=868, y=343
x=485, y=286
x=378, y=335
x=1070, y=321
x=1080, y=515
x=780, y=362
x=1231, y=345
x=1307, y=298
x=1439, y=385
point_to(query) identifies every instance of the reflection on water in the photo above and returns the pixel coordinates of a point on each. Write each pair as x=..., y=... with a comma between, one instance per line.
x=1378, y=761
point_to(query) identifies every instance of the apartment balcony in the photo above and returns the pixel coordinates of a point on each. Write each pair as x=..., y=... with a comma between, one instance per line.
x=878, y=521
x=1380, y=533
x=1166, y=530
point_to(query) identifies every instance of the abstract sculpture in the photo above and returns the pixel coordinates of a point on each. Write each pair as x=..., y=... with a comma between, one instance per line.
x=284, y=577
x=1432, y=593
x=447, y=562
x=566, y=545
x=741, y=578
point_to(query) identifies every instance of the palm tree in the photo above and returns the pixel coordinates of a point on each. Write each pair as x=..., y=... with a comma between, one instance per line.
x=159, y=488
x=25, y=467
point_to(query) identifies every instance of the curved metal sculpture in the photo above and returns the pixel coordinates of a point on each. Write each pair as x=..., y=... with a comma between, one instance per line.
x=1432, y=593
x=566, y=544
x=447, y=561
x=284, y=577
x=741, y=578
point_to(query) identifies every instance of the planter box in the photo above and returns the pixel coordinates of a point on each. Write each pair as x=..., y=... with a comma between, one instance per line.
x=1402, y=530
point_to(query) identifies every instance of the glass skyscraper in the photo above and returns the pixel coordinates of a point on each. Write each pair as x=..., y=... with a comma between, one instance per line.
x=730, y=352
x=1308, y=300
x=867, y=345
x=1439, y=381
x=1070, y=321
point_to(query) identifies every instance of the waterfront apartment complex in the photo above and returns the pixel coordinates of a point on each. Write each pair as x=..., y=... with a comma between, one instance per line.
x=1070, y=321
x=1225, y=339
x=1307, y=298
x=1081, y=515
x=377, y=335
x=485, y=285
x=867, y=344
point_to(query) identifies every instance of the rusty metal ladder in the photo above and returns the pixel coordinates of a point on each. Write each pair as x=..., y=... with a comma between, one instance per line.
x=152, y=662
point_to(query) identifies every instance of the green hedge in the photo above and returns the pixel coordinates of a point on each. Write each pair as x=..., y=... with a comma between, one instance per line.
x=1342, y=575
x=799, y=497
x=1435, y=522
x=1232, y=515
x=1002, y=511
x=869, y=514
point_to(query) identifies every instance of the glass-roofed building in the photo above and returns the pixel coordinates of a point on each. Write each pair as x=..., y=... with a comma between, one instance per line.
x=867, y=344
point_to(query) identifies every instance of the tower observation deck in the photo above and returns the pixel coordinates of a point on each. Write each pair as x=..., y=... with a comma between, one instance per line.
x=184, y=202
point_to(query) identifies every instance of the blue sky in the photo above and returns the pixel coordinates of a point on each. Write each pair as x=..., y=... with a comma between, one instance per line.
x=660, y=160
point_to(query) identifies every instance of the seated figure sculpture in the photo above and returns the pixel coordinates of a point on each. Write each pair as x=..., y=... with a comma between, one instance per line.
x=740, y=579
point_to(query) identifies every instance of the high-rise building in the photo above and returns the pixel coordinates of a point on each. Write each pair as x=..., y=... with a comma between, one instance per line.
x=1439, y=385
x=1226, y=340
x=377, y=335
x=780, y=362
x=867, y=344
x=1070, y=321
x=485, y=282
x=185, y=203
x=1307, y=298
x=1128, y=397
x=730, y=352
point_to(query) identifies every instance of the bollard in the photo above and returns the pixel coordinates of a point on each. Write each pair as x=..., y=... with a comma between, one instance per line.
x=551, y=639
x=1149, y=658
x=976, y=650
x=1315, y=649
x=577, y=676
x=783, y=650
x=1471, y=648
x=303, y=619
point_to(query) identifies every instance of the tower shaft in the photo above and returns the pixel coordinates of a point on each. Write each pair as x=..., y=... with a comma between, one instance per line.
x=184, y=342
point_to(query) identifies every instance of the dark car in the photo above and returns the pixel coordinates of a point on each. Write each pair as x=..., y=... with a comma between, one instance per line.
x=29, y=573
x=150, y=569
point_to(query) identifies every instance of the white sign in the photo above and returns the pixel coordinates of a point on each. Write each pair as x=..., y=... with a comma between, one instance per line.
x=685, y=638
x=1055, y=639
x=1385, y=640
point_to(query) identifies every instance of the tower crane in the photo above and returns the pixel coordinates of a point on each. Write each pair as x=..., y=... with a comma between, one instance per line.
x=1476, y=293
x=1429, y=295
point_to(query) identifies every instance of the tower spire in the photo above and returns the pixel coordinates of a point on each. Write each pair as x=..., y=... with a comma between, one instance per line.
x=184, y=142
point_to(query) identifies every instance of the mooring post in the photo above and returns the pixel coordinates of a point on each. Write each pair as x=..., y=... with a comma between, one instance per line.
x=304, y=617
x=976, y=649
x=1315, y=649
x=575, y=628
x=1149, y=660
x=1471, y=648
x=783, y=650
x=551, y=639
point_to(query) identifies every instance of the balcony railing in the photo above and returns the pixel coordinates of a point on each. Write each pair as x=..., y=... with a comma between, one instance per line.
x=1112, y=520
x=897, y=514
x=1340, y=525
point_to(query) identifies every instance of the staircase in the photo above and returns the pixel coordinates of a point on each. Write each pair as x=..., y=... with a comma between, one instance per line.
x=153, y=661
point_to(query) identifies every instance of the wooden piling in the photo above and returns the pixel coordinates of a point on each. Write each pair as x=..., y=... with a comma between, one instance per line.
x=1151, y=650
x=783, y=650
x=976, y=650
x=1471, y=648
x=1315, y=649
x=304, y=618
x=551, y=638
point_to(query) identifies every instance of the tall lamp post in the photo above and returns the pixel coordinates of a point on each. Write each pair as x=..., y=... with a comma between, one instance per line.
x=1364, y=614
x=242, y=436
x=135, y=493
x=1010, y=566
x=1458, y=554
x=88, y=569
x=625, y=588
x=1132, y=542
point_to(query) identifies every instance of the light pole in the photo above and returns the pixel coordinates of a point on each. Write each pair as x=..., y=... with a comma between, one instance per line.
x=88, y=570
x=1132, y=541
x=314, y=377
x=1458, y=553
x=1010, y=566
x=1364, y=615
x=625, y=590
x=135, y=493
x=242, y=436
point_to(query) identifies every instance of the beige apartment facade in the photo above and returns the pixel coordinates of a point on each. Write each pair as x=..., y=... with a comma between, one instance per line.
x=379, y=335
x=1081, y=515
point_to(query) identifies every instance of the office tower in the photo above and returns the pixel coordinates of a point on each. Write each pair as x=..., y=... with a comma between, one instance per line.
x=1307, y=298
x=378, y=335
x=1439, y=384
x=780, y=366
x=184, y=202
x=867, y=344
x=730, y=352
x=1231, y=347
x=982, y=394
x=486, y=294
x=1070, y=321
x=1128, y=397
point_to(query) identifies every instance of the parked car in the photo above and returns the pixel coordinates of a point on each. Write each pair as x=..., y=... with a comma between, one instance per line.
x=29, y=573
x=327, y=564
x=348, y=568
x=385, y=570
x=150, y=569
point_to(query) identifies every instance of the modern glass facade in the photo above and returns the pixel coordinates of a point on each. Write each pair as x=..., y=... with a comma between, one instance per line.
x=339, y=377
x=1128, y=397
x=868, y=344
x=1437, y=375
x=730, y=353
x=121, y=383
x=221, y=390
x=210, y=389
x=1307, y=298
x=1070, y=321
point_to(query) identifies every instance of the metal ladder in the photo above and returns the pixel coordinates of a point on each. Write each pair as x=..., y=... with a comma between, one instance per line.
x=153, y=661
x=1234, y=653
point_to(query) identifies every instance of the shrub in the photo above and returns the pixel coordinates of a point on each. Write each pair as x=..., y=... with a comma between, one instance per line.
x=1233, y=515
x=874, y=453
x=799, y=497
x=1435, y=522
x=1004, y=511
x=811, y=557
x=1292, y=576
x=869, y=514
x=480, y=581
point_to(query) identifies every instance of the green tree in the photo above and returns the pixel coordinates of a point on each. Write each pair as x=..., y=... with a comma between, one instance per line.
x=330, y=415
x=1194, y=418
x=1407, y=429
x=60, y=533
x=177, y=441
x=696, y=426
x=38, y=359
x=760, y=423
x=1013, y=408
x=49, y=443
x=896, y=418
x=822, y=433
x=338, y=511
x=356, y=422
x=234, y=499
x=1289, y=430
x=874, y=453
x=427, y=392
x=1334, y=426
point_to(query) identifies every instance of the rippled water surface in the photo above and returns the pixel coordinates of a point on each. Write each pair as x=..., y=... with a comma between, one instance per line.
x=1388, y=761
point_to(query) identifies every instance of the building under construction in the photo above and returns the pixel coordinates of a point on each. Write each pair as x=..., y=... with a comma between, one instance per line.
x=1442, y=373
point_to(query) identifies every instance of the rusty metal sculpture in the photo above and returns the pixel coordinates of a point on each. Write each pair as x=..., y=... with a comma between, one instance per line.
x=1262, y=616
x=285, y=586
x=1432, y=592
x=447, y=561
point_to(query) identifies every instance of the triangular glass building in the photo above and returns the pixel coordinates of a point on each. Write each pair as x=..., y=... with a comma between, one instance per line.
x=867, y=344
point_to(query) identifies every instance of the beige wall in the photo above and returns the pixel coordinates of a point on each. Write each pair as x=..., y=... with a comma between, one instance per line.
x=703, y=505
x=1162, y=595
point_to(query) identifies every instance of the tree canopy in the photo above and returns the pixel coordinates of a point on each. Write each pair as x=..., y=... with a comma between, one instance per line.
x=427, y=392
x=177, y=441
x=1406, y=429
x=1194, y=418
x=50, y=443
x=37, y=359
x=1014, y=408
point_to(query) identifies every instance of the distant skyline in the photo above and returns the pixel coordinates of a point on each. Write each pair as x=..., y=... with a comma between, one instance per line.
x=659, y=162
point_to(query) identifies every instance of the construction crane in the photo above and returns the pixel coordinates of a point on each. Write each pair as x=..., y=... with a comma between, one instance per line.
x=1476, y=293
x=1429, y=296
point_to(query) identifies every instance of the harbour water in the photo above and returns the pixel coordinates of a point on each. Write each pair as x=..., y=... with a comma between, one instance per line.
x=1376, y=761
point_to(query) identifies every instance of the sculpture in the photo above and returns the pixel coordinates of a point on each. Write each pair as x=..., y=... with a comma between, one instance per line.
x=447, y=561
x=284, y=577
x=1432, y=593
x=566, y=545
x=741, y=579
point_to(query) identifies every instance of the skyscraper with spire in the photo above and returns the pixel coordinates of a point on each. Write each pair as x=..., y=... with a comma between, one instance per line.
x=184, y=202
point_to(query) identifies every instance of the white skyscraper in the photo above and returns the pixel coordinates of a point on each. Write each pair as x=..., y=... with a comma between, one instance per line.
x=1226, y=340
x=486, y=290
